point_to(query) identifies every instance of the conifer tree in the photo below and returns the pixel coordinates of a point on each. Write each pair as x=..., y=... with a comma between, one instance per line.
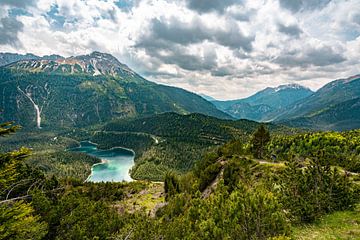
x=16, y=216
x=171, y=185
x=259, y=140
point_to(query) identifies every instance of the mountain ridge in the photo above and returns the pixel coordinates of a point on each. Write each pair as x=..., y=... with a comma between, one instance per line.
x=9, y=58
x=89, y=89
x=257, y=106
x=343, y=116
x=332, y=93
x=95, y=63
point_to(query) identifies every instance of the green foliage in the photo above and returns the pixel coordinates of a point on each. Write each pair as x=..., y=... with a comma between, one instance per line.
x=49, y=154
x=84, y=211
x=171, y=185
x=259, y=140
x=87, y=100
x=64, y=164
x=337, y=148
x=244, y=214
x=234, y=147
x=19, y=222
x=208, y=175
x=239, y=170
x=175, y=142
x=225, y=195
x=149, y=171
x=7, y=128
x=337, y=225
x=138, y=142
x=315, y=190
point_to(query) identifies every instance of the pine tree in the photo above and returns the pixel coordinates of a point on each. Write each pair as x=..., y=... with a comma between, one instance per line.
x=17, y=217
x=171, y=185
x=259, y=140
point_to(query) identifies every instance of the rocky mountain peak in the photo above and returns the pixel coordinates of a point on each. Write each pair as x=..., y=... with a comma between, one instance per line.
x=95, y=63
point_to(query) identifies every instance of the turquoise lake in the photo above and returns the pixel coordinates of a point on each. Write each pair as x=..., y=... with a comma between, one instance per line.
x=115, y=166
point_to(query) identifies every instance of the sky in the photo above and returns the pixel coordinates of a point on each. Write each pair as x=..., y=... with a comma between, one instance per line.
x=227, y=49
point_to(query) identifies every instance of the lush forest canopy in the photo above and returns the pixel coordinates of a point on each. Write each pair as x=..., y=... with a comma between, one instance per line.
x=67, y=101
x=249, y=184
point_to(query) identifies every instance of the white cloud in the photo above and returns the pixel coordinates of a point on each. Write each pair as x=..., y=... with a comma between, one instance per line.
x=228, y=50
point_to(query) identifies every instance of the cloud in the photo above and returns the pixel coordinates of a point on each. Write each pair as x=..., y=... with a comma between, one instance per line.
x=222, y=72
x=17, y=3
x=179, y=32
x=240, y=13
x=9, y=28
x=168, y=53
x=356, y=18
x=298, y=5
x=204, y=6
x=291, y=30
x=223, y=48
x=193, y=32
x=191, y=45
x=321, y=56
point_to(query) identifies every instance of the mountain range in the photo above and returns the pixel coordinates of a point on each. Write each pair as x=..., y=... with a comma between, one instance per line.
x=7, y=58
x=53, y=91
x=335, y=106
x=260, y=106
x=57, y=92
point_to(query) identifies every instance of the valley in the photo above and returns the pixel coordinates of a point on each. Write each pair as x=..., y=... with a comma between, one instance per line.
x=332, y=107
x=115, y=163
x=264, y=104
x=34, y=90
x=110, y=154
x=179, y=120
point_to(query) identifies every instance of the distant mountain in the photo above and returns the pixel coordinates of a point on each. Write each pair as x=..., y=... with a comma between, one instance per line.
x=207, y=98
x=262, y=104
x=336, y=106
x=7, y=58
x=341, y=117
x=333, y=107
x=332, y=94
x=94, y=64
x=80, y=91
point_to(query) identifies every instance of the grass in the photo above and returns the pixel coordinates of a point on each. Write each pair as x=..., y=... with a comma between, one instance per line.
x=338, y=225
x=148, y=199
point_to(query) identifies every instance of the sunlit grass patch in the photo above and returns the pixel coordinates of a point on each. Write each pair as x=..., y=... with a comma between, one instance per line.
x=338, y=225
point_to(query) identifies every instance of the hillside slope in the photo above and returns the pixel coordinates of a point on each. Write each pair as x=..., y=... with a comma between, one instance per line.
x=86, y=90
x=333, y=93
x=262, y=104
x=171, y=141
x=7, y=58
x=342, y=116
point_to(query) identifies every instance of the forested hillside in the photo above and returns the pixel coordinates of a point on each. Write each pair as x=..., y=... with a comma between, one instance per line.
x=342, y=116
x=86, y=90
x=172, y=141
x=335, y=106
x=163, y=142
x=179, y=120
x=228, y=194
x=332, y=95
x=261, y=105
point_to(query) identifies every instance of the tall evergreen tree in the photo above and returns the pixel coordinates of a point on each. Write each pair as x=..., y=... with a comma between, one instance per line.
x=16, y=217
x=259, y=140
x=171, y=185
